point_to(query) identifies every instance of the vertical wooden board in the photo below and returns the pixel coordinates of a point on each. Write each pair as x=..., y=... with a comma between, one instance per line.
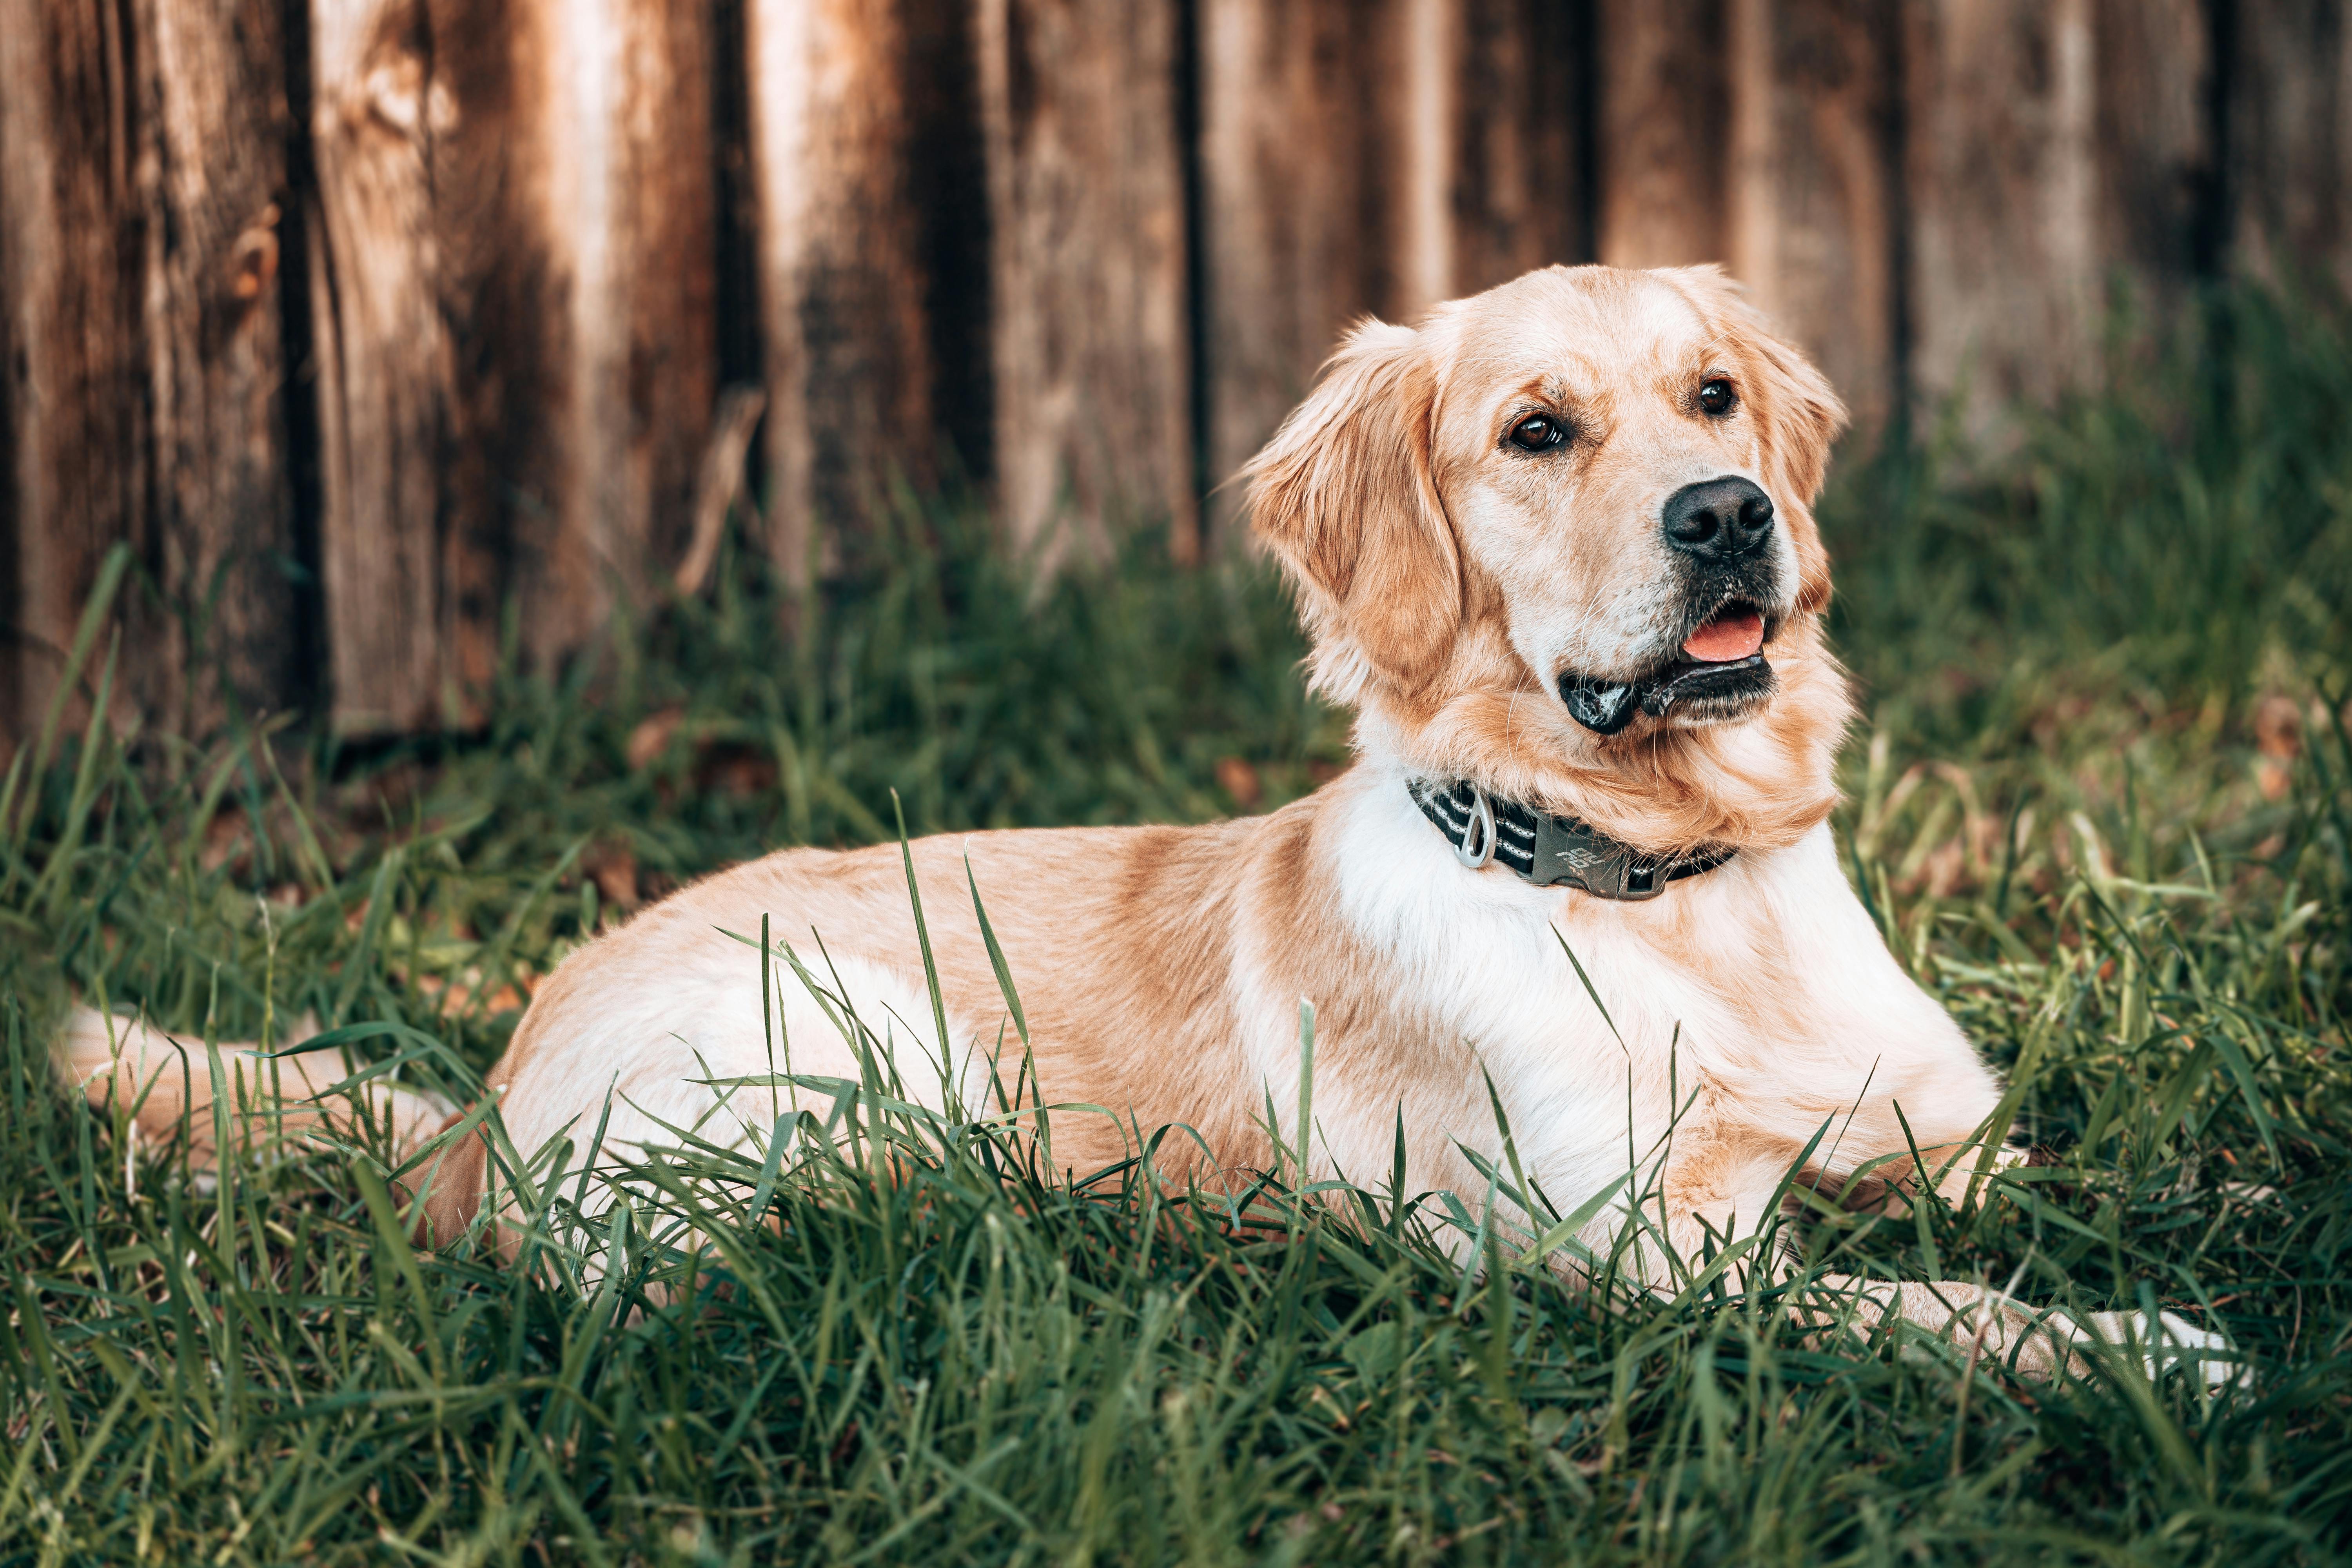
x=602, y=110
x=144, y=155
x=582, y=251
x=1518, y=182
x=1665, y=129
x=384, y=360
x=16, y=646
x=442, y=350
x=947, y=181
x=1298, y=210
x=72, y=263
x=2001, y=178
x=656, y=404
x=1416, y=128
x=1814, y=201
x=1093, y=417
x=515, y=280
x=1372, y=159
x=505, y=282
x=2157, y=164
x=2290, y=155
x=230, y=562
x=842, y=287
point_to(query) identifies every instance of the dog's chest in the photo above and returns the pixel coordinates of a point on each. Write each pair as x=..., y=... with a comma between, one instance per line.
x=1759, y=989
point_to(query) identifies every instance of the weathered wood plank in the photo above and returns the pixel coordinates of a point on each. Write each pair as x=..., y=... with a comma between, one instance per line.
x=1814, y=193
x=144, y=150
x=2290, y=155
x=1518, y=161
x=507, y=285
x=72, y=261
x=1299, y=213
x=1666, y=130
x=1371, y=160
x=843, y=320
x=2159, y=167
x=576, y=224
x=1418, y=117
x=948, y=182
x=385, y=362
x=226, y=522
x=1087, y=212
x=634, y=219
x=2002, y=171
x=514, y=288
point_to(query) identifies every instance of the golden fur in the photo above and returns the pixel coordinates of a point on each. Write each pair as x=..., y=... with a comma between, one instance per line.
x=1348, y=495
x=1448, y=579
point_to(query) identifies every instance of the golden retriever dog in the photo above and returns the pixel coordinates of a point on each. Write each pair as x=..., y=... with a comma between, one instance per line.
x=1555, y=550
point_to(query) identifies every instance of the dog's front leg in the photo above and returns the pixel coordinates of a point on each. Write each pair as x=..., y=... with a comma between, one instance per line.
x=1994, y=1327
x=1713, y=1202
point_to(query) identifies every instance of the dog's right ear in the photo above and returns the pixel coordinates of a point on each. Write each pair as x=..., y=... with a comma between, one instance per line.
x=1344, y=496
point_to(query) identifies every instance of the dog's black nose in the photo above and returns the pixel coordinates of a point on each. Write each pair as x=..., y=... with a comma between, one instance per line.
x=1718, y=520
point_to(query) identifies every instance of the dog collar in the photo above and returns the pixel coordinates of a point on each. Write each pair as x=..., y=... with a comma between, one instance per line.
x=1551, y=851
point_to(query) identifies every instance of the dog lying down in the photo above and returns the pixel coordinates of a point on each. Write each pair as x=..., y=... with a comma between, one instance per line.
x=1554, y=547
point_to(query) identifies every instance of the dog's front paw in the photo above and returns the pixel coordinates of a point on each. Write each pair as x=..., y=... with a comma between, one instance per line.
x=2172, y=1340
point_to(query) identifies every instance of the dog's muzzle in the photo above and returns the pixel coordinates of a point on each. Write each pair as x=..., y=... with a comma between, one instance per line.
x=1721, y=671
x=1606, y=706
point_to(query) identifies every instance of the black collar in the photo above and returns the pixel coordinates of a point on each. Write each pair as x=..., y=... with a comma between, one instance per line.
x=1546, y=850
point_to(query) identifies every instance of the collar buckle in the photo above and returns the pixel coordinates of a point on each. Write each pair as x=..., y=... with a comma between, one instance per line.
x=1568, y=852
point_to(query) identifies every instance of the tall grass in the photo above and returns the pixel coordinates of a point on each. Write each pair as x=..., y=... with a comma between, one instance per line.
x=2103, y=806
x=2181, y=535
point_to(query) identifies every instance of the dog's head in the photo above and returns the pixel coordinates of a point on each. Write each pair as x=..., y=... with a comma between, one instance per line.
x=1559, y=538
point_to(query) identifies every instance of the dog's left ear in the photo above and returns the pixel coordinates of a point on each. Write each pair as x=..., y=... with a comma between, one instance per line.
x=1344, y=498
x=1801, y=417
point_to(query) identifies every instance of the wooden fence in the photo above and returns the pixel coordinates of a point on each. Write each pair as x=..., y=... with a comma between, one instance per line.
x=361, y=320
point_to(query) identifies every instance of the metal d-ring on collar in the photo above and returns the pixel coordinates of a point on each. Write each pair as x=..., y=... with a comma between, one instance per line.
x=1549, y=851
x=1479, y=825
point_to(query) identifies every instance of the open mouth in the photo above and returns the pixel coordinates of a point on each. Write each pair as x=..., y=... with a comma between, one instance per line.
x=1722, y=674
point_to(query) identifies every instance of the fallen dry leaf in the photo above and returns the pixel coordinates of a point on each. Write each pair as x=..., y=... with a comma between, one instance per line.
x=651, y=738
x=612, y=866
x=2278, y=728
x=1240, y=781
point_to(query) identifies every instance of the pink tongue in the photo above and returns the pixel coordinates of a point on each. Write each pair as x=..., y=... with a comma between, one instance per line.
x=1734, y=634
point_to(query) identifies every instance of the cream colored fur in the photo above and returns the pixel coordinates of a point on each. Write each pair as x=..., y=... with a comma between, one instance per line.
x=160, y=1084
x=1447, y=578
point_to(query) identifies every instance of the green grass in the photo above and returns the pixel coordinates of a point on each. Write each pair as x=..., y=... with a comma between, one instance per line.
x=2102, y=805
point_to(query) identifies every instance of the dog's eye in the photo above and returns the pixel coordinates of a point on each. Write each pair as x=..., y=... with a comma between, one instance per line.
x=1716, y=396
x=1537, y=433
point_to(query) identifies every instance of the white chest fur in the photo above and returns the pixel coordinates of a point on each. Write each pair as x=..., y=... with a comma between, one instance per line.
x=1745, y=1008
